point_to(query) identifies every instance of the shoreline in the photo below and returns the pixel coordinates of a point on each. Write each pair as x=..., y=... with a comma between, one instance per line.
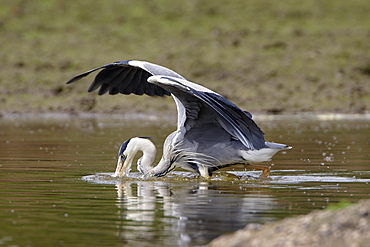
x=348, y=226
x=165, y=117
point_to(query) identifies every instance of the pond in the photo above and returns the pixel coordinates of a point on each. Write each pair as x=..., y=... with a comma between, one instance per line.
x=56, y=187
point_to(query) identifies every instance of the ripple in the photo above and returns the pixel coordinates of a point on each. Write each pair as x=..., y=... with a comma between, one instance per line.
x=233, y=176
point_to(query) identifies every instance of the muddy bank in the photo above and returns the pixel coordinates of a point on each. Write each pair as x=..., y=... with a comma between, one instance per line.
x=348, y=226
x=265, y=56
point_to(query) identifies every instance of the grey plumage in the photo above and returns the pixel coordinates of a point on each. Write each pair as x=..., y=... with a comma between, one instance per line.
x=211, y=131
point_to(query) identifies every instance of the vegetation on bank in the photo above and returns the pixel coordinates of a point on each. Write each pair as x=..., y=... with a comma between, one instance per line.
x=265, y=56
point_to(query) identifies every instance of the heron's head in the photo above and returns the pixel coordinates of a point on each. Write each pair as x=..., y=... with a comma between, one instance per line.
x=127, y=152
x=124, y=159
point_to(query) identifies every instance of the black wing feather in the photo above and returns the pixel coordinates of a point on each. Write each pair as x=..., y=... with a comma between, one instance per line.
x=104, y=76
x=121, y=77
x=129, y=86
x=104, y=88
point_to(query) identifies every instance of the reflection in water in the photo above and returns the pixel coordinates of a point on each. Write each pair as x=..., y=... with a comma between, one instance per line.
x=189, y=214
x=188, y=211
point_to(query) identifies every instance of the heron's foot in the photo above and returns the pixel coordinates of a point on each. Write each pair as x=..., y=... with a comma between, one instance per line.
x=265, y=170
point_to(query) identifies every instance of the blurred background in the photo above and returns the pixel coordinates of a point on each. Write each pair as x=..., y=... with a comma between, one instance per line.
x=265, y=56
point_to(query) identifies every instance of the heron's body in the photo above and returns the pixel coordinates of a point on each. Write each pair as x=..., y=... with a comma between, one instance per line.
x=211, y=133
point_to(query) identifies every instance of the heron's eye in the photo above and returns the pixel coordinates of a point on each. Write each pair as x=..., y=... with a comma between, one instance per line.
x=123, y=156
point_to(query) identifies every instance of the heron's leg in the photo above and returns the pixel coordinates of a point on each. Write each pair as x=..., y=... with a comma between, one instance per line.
x=265, y=169
x=203, y=171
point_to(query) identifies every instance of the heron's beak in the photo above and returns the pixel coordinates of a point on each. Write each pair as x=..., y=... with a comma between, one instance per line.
x=120, y=169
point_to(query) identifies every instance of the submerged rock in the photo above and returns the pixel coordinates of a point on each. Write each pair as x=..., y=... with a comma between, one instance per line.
x=348, y=226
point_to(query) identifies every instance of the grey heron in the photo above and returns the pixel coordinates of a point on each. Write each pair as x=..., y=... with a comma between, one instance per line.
x=212, y=132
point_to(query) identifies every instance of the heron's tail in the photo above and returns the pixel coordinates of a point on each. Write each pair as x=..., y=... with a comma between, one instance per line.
x=277, y=145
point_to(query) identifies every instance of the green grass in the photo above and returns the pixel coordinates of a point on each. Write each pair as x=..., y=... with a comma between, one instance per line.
x=265, y=56
x=341, y=204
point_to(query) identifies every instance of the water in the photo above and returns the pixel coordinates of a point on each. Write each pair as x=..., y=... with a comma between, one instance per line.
x=56, y=187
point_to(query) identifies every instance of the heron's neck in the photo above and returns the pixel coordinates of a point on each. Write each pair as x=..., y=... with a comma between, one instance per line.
x=161, y=169
x=146, y=162
x=149, y=152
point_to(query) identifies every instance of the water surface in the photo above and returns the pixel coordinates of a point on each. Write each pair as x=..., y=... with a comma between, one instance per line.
x=56, y=187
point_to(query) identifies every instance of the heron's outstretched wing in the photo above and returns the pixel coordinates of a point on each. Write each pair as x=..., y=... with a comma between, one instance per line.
x=131, y=76
x=232, y=119
x=126, y=77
